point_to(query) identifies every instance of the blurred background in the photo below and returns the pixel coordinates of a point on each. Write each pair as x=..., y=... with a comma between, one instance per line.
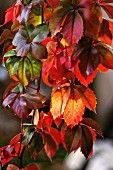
x=103, y=149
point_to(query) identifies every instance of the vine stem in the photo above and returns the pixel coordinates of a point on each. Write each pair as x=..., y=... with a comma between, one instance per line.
x=20, y=154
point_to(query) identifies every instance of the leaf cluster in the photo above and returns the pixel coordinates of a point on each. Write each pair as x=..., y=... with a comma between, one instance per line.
x=64, y=43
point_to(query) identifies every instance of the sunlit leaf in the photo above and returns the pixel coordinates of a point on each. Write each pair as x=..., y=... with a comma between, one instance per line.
x=28, y=69
x=69, y=104
x=88, y=97
x=12, y=64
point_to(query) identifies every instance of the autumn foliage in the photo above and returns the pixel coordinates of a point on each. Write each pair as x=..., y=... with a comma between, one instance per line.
x=64, y=43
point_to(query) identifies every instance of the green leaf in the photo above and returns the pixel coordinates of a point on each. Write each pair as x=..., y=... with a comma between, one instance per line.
x=10, y=53
x=86, y=141
x=26, y=2
x=18, y=89
x=35, y=67
x=35, y=145
x=12, y=64
x=29, y=131
x=29, y=68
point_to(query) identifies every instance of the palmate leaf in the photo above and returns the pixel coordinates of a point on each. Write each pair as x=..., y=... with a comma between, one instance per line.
x=65, y=102
x=87, y=56
x=72, y=18
x=28, y=38
x=70, y=102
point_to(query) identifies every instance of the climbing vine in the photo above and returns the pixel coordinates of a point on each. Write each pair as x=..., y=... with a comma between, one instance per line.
x=64, y=43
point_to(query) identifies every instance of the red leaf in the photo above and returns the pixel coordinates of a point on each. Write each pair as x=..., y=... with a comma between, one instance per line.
x=105, y=33
x=91, y=23
x=30, y=167
x=106, y=57
x=52, y=3
x=8, y=16
x=83, y=80
x=86, y=141
x=58, y=121
x=74, y=23
x=15, y=139
x=102, y=68
x=92, y=124
x=8, y=151
x=10, y=87
x=72, y=138
x=20, y=108
x=50, y=145
x=45, y=122
x=56, y=135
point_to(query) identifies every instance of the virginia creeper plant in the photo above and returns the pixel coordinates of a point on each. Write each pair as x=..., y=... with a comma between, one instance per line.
x=64, y=43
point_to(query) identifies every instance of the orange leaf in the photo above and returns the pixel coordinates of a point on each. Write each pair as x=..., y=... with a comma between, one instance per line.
x=56, y=104
x=88, y=97
x=66, y=101
x=74, y=111
x=81, y=78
